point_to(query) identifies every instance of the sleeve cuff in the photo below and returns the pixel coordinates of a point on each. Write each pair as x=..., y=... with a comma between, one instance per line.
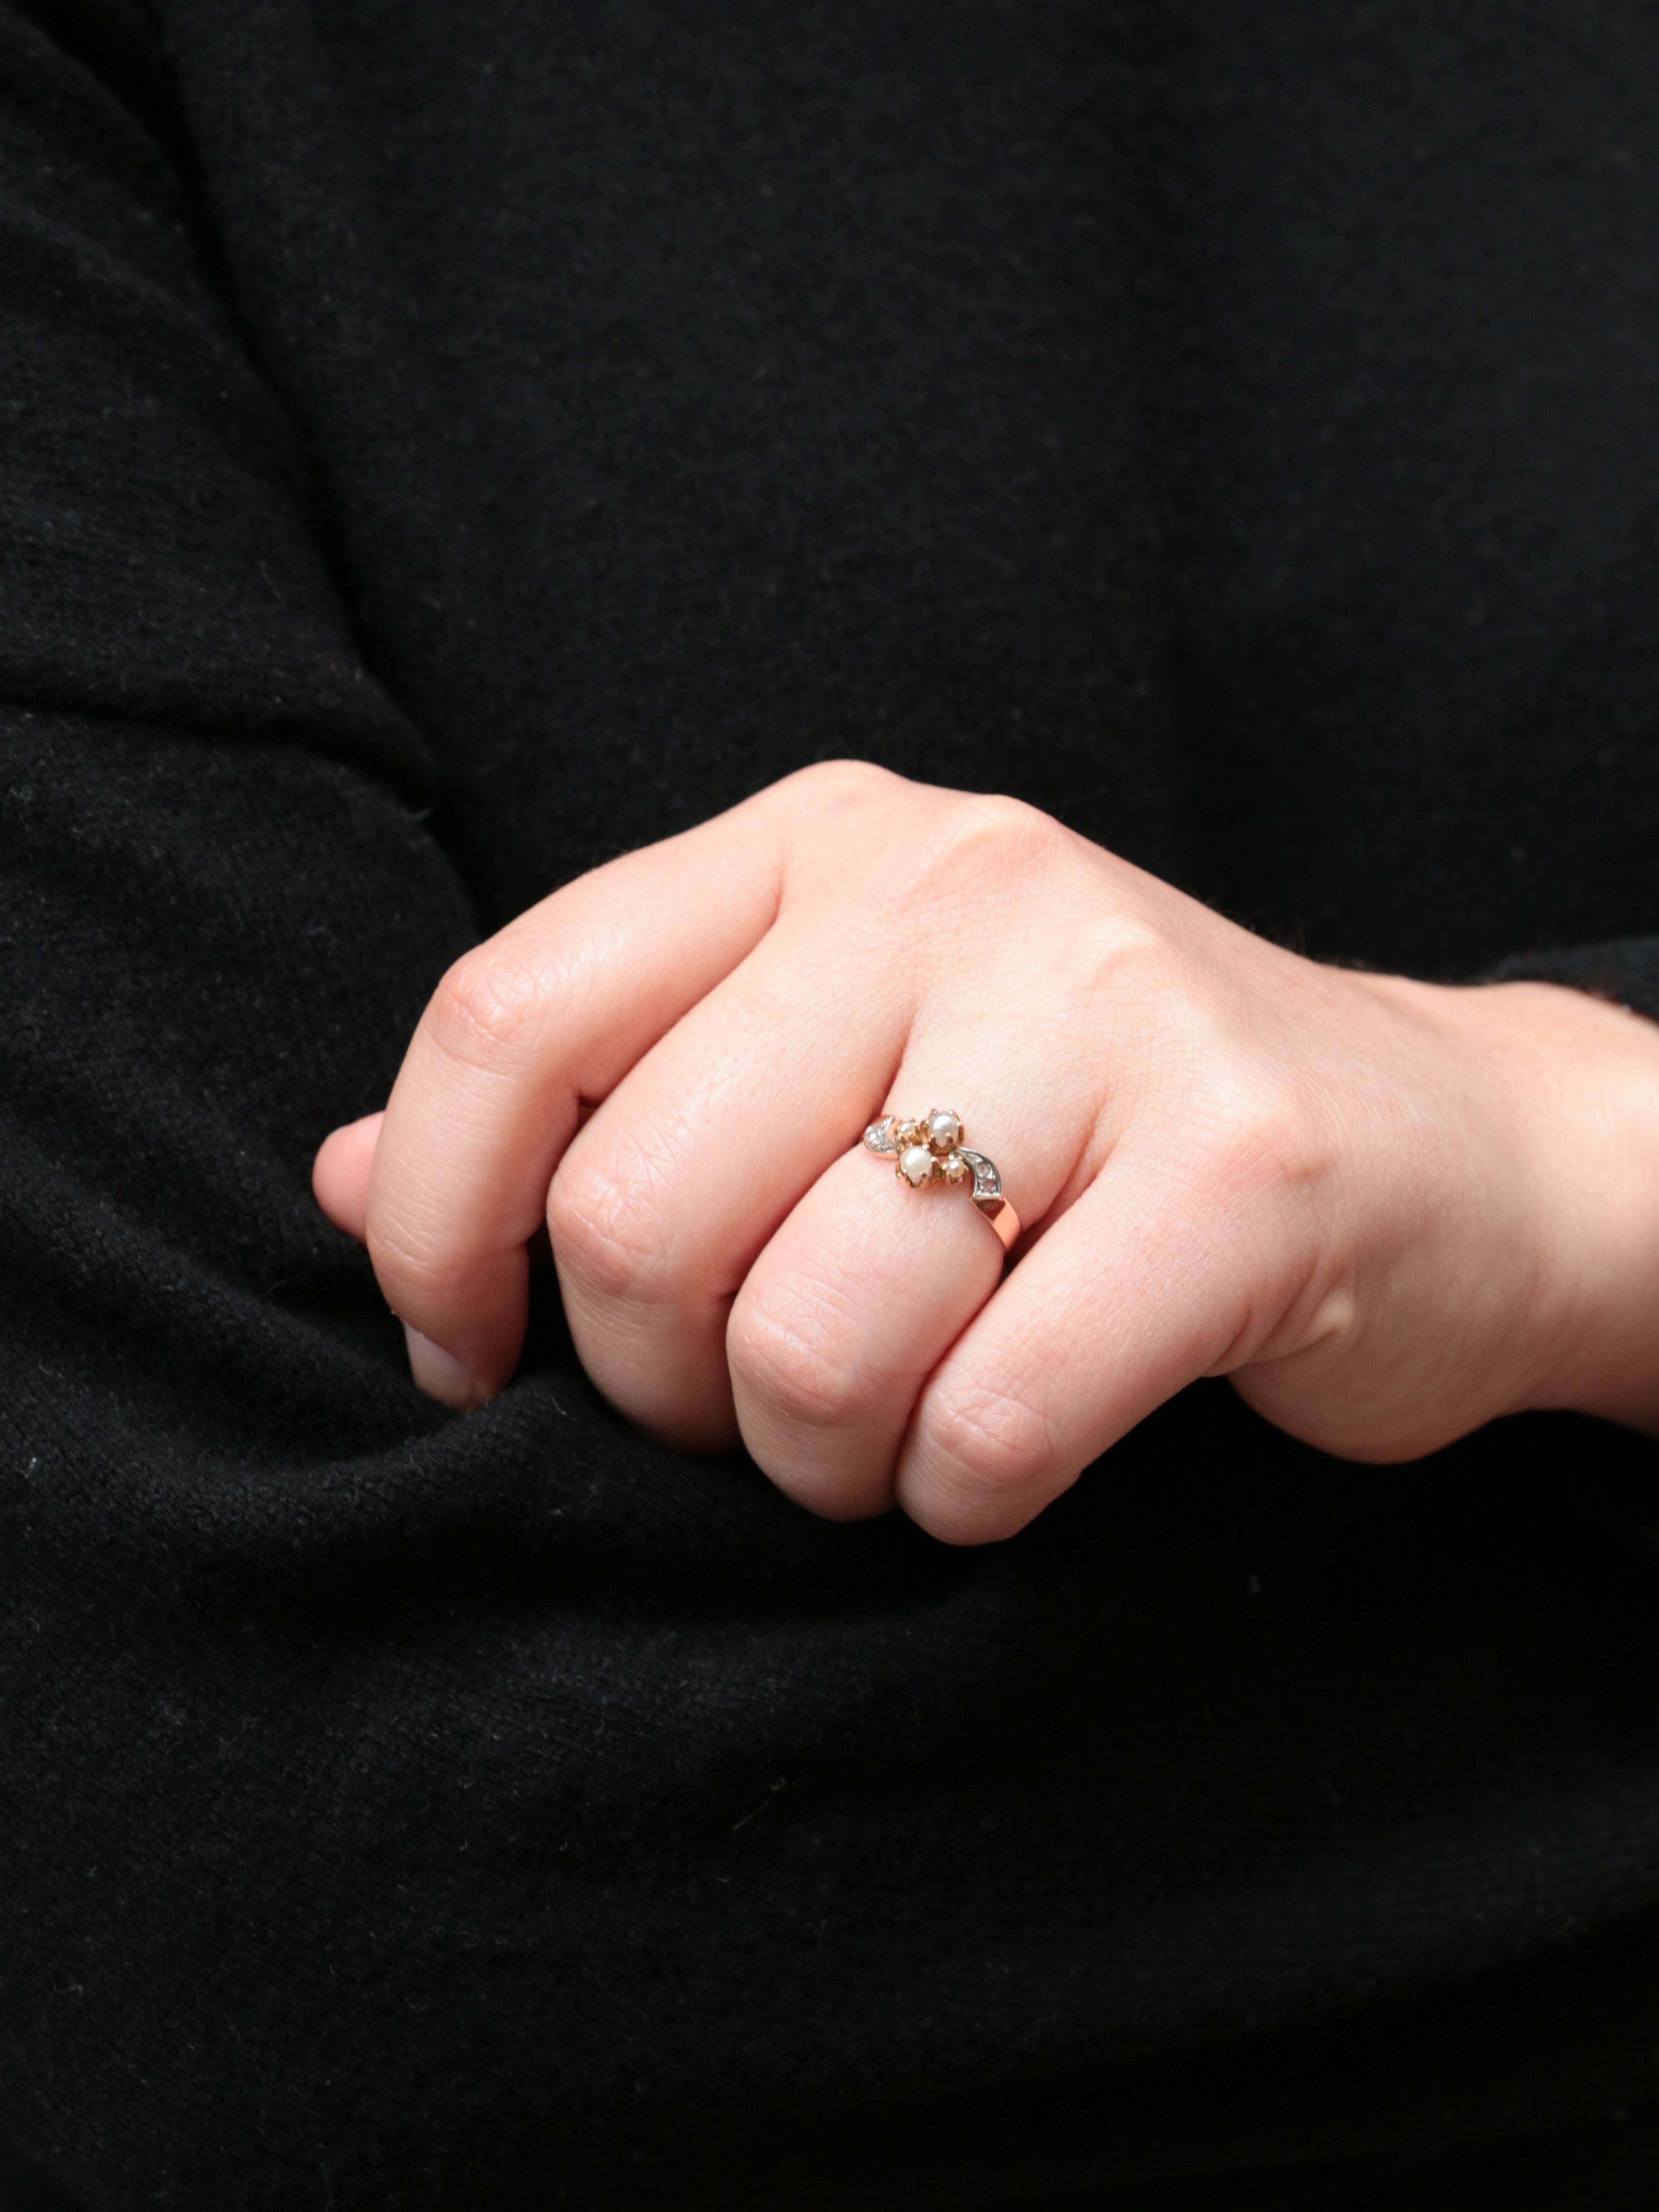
x=1625, y=969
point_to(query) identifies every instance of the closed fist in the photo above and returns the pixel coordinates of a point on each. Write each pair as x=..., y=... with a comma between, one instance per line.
x=1389, y=1211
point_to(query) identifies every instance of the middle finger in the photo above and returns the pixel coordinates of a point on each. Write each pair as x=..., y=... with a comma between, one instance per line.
x=664, y=1198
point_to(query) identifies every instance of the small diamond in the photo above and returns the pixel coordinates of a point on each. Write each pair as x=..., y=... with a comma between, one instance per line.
x=878, y=1137
x=988, y=1183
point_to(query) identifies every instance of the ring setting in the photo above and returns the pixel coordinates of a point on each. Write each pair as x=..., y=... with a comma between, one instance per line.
x=930, y=1150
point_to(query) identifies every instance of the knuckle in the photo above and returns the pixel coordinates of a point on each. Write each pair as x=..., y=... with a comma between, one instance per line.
x=1264, y=1143
x=488, y=1008
x=827, y=809
x=1009, y=830
x=984, y=840
x=1122, y=953
x=410, y=1267
x=837, y=794
x=789, y=1358
x=847, y=782
x=984, y=1447
x=607, y=1228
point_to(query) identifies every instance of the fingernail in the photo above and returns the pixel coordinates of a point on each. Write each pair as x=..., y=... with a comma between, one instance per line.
x=439, y=1374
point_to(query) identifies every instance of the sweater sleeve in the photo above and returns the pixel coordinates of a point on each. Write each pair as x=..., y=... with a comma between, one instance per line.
x=221, y=910
x=377, y=1788
x=1625, y=969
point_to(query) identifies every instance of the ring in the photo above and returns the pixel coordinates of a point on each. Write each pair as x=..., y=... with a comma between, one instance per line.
x=932, y=1151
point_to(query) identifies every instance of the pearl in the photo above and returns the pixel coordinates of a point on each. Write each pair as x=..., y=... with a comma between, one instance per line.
x=944, y=1128
x=915, y=1163
x=955, y=1167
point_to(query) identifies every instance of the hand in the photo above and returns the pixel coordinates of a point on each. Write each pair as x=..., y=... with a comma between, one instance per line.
x=1389, y=1211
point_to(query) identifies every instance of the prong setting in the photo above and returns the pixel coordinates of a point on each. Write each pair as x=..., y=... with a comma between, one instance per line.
x=930, y=1150
x=925, y=1149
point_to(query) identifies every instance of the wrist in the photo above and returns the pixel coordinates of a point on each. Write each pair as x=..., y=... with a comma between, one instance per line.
x=1567, y=1085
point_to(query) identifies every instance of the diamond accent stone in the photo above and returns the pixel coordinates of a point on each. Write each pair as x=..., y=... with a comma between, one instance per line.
x=988, y=1183
x=878, y=1137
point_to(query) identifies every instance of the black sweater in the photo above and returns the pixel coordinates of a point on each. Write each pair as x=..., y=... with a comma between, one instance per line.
x=444, y=445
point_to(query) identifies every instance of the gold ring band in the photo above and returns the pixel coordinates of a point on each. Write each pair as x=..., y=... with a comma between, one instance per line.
x=930, y=1150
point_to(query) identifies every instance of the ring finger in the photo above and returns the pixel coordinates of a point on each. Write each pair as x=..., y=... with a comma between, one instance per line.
x=868, y=1283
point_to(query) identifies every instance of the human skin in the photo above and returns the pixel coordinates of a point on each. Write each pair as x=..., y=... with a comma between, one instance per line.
x=1389, y=1211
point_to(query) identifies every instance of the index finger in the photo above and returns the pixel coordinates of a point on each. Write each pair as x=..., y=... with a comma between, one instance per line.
x=551, y=1011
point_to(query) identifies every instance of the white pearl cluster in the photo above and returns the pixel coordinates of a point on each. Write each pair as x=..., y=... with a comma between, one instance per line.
x=927, y=1149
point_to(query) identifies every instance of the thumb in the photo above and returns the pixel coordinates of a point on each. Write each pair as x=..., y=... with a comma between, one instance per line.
x=339, y=1175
